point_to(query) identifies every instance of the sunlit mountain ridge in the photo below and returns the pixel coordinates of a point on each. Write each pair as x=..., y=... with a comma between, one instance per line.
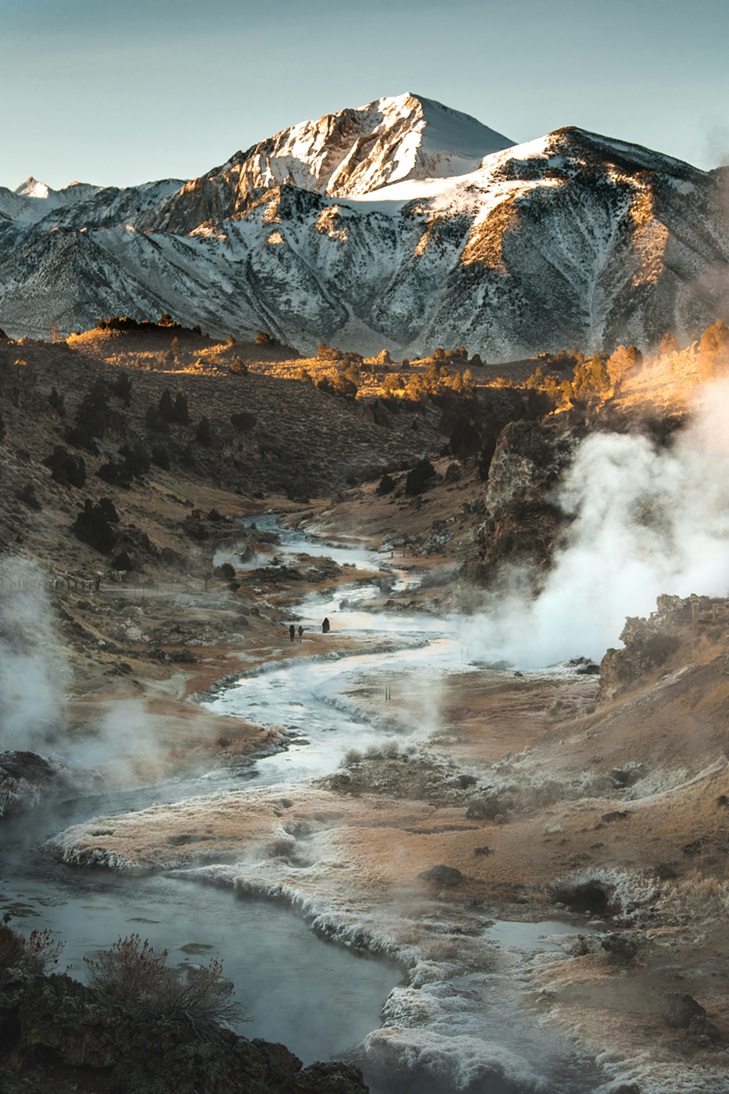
x=401, y=224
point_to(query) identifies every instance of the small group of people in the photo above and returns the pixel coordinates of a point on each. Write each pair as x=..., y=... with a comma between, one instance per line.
x=293, y=631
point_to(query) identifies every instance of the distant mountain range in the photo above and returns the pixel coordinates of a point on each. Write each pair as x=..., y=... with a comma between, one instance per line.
x=402, y=224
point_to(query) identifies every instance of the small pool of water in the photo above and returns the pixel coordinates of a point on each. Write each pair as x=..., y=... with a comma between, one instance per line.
x=315, y=997
x=532, y=937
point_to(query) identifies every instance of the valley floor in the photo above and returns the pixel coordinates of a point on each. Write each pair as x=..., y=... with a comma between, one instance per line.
x=524, y=799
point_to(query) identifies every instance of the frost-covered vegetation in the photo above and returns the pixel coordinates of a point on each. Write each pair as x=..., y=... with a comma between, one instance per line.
x=134, y=979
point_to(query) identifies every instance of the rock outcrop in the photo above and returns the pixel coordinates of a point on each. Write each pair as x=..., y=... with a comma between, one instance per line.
x=24, y=776
x=522, y=522
x=54, y=1035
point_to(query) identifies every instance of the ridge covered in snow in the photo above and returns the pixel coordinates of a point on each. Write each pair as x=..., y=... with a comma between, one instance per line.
x=402, y=224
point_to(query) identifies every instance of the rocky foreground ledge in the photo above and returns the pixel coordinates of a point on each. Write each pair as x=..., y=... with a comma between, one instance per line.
x=55, y=1035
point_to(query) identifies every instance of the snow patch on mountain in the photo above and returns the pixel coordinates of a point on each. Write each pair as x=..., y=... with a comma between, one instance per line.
x=400, y=224
x=354, y=151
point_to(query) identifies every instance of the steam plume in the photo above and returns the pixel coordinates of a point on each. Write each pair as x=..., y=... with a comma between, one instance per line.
x=32, y=669
x=645, y=521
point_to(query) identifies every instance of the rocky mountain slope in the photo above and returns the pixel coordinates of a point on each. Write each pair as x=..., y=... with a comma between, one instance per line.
x=401, y=224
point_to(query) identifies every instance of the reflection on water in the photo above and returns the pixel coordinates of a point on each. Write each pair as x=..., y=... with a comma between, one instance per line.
x=317, y=998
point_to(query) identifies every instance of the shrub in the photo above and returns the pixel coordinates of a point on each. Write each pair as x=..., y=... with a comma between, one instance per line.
x=187, y=456
x=340, y=384
x=418, y=478
x=137, y=458
x=28, y=496
x=713, y=357
x=203, y=433
x=116, y=473
x=94, y=525
x=328, y=353
x=465, y=439
x=160, y=457
x=36, y=955
x=133, y=980
x=623, y=360
x=122, y=388
x=135, y=465
x=123, y=561
x=58, y=403
x=392, y=383
x=225, y=572
x=180, y=412
x=91, y=420
x=166, y=407
x=66, y=469
x=386, y=485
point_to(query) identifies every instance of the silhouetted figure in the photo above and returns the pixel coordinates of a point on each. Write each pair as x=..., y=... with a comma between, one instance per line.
x=292, y=632
x=325, y=627
x=301, y=632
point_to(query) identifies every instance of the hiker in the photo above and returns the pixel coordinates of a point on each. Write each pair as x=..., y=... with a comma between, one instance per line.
x=292, y=632
x=325, y=627
x=301, y=632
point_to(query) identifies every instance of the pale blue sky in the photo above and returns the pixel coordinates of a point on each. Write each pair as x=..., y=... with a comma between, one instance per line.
x=122, y=92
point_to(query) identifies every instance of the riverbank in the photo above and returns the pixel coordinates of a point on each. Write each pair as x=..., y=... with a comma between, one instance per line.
x=492, y=796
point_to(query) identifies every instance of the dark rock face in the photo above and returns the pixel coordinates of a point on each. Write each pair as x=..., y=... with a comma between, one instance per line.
x=703, y=1031
x=586, y=895
x=60, y=1038
x=521, y=524
x=648, y=644
x=23, y=778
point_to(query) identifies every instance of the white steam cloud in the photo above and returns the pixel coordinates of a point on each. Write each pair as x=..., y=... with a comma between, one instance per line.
x=645, y=521
x=33, y=669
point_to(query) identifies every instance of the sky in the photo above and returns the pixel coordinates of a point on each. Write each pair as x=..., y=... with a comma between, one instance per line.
x=117, y=92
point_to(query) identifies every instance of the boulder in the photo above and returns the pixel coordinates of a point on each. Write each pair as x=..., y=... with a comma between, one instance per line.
x=679, y=1008
x=447, y=876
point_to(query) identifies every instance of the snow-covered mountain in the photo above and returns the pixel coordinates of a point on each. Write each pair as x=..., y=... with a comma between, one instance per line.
x=402, y=224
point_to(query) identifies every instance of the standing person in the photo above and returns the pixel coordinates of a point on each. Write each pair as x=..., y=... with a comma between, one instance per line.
x=301, y=632
x=292, y=632
x=325, y=627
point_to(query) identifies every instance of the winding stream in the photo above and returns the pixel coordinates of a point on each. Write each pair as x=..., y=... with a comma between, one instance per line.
x=267, y=951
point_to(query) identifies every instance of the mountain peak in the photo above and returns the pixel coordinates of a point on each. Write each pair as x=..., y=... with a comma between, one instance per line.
x=32, y=188
x=357, y=150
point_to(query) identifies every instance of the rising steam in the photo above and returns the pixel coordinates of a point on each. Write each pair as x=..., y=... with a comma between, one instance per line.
x=645, y=520
x=33, y=669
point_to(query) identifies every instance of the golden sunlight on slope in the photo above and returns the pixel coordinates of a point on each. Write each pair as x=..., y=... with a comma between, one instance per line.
x=485, y=241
